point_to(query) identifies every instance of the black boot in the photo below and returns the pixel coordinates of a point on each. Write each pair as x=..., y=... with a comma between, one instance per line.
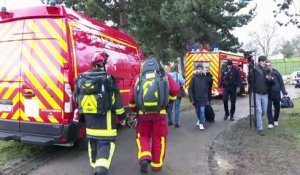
x=144, y=166
x=100, y=170
x=226, y=117
x=231, y=118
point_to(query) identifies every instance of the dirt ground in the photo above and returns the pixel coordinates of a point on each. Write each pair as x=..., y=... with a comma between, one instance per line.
x=239, y=150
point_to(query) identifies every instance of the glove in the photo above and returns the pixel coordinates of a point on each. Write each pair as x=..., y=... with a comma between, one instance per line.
x=76, y=116
x=194, y=103
x=238, y=90
x=131, y=120
x=123, y=122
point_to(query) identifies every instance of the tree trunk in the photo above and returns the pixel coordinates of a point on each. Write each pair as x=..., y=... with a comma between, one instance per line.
x=123, y=16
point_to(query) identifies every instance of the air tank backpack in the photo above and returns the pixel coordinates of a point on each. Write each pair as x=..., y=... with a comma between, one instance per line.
x=152, y=89
x=93, y=92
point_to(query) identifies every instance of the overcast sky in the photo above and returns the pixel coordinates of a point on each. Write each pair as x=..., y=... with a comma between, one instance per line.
x=265, y=14
x=264, y=9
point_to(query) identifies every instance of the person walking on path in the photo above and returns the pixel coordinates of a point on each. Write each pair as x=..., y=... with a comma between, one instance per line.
x=260, y=80
x=231, y=81
x=210, y=80
x=274, y=96
x=100, y=120
x=180, y=81
x=146, y=93
x=198, y=94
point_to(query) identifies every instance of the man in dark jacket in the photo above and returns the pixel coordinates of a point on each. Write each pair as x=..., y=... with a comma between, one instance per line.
x=260, y=80
x=198, y=94
x=231, y=81
x=275, y=96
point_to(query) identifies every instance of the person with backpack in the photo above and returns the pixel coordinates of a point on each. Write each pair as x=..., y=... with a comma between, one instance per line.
x=180, y=81
x=198, y=94
x=274, y=96
x=231, y=81
x=149, y=97
x=98, y=100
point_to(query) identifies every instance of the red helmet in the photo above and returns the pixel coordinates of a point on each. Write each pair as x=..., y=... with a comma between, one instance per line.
x=99, y=58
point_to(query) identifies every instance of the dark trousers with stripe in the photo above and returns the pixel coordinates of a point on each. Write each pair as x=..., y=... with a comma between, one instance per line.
x=100, y=152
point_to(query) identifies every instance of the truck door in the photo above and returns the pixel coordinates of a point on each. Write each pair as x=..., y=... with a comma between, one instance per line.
x=10, y=79
x=43, y=57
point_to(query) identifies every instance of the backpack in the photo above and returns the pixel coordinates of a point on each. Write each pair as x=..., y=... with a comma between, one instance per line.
x=209, y=114
x=151, y=92
x=93, y=92
x=286, y=102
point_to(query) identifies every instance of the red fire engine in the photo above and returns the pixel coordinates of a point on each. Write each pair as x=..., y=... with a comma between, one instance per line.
x=215, y=62
x=43, y=49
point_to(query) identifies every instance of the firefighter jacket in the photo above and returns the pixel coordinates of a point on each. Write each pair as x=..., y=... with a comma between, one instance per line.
x=155, y=115
x=103, y=126
x=230, y=78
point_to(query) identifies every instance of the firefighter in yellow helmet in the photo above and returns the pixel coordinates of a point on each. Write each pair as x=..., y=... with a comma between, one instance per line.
x=101, y=118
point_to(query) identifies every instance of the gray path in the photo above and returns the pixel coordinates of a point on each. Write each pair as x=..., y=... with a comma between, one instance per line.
x=187, y=147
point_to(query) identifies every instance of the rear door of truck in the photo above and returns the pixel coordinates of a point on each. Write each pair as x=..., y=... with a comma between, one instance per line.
x=44, y=54
x=10, y=78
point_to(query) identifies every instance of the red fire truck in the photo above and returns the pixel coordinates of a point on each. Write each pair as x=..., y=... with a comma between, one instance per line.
x=215, y=62
x=43, y=49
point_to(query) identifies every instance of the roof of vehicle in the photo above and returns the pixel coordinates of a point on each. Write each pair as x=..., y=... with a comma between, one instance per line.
x=43, y=11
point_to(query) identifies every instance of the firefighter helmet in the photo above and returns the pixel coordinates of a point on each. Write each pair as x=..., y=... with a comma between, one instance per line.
x=99, y=58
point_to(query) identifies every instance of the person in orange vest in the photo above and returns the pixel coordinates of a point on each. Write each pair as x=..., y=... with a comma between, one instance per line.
x=152, y=129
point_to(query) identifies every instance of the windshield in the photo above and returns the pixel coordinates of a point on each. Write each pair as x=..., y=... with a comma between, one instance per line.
x=298, y=74
x=16, y=4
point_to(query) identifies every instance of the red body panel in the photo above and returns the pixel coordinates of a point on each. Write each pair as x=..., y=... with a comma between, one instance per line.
x=43, y=49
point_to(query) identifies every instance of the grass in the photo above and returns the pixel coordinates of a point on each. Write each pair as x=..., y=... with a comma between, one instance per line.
x=11, y=150
x=291, y=121
x=278, y=152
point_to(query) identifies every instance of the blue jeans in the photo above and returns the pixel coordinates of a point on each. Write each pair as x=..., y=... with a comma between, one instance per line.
x=200, y=113
x=177, y=108
x=261, y=109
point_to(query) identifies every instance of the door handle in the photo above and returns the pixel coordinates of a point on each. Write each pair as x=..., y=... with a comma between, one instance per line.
x=28, y=94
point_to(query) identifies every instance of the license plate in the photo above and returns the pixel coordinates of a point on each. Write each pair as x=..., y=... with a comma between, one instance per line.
x=6, y=105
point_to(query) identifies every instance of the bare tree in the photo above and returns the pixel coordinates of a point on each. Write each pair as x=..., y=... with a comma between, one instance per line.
x=264, y=39
x=288, y=12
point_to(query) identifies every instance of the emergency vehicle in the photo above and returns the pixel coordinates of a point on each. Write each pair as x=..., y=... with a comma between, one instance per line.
x=216, y=62
x=43, y=49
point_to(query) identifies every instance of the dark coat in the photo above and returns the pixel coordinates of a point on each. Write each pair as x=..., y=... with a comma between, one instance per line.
x=277, y=84
x=198, y=90
x=237, y=78
x=258, y=80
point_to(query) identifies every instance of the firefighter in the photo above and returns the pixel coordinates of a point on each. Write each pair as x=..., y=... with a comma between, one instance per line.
x=152, y=129
x=231, y=81
x=101, y=129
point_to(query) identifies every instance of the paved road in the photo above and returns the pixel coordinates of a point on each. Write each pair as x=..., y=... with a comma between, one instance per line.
x=187, y=150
